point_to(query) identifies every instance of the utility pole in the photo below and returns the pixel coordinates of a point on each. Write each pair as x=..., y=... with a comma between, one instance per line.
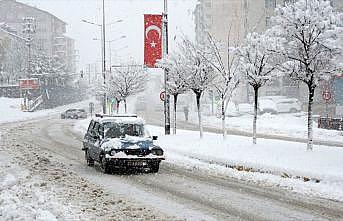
x=166, y=71
x=104, y=55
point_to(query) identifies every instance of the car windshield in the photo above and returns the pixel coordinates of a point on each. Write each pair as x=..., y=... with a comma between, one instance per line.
x=115, y=130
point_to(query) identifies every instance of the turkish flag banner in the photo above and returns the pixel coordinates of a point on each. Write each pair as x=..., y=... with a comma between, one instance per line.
x=152, y=39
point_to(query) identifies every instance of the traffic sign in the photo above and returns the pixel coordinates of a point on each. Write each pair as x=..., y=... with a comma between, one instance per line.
x=326, y=95
x=163, y=96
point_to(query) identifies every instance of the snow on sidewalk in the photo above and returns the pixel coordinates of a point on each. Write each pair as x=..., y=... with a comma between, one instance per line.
x=274, y=159
x=287, y=124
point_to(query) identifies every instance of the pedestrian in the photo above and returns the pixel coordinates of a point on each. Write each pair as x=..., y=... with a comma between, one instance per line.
x=186, y=111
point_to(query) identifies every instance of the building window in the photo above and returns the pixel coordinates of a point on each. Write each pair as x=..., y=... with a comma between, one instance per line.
x=208, y=4
x=270, y=4
x=268, y=22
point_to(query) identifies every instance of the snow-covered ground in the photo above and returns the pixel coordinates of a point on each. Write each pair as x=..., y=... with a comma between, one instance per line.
x=270, y=162
x=10, y=110
x=27, y=197
x=288, y=124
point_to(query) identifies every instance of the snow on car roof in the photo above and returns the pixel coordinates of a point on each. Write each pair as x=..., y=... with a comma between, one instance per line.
x=122, y=119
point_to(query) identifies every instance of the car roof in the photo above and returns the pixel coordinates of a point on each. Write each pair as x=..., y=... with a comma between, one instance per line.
x=120, y=119
x=287, y=100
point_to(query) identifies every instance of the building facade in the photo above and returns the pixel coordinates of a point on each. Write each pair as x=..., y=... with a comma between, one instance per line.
x=45, y=31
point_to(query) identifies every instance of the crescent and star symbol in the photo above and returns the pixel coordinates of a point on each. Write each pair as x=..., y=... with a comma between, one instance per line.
x=151, y=28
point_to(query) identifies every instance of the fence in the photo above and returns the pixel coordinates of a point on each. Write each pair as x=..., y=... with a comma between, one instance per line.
x=330, y=123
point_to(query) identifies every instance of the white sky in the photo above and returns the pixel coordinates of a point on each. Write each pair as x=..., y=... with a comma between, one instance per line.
x=181, y=21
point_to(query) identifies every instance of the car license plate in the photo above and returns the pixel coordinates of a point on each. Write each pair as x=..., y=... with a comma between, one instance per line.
x=136, y=163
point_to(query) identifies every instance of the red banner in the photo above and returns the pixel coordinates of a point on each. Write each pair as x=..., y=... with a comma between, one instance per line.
x=29, y=83
x=152, y=39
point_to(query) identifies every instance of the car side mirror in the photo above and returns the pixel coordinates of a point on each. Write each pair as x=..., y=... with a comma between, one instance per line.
x=154, y=137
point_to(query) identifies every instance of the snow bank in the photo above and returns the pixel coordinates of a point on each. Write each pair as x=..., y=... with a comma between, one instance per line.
x=10, y=110
x=288, y=124
x=26, y=197
x=275, y=161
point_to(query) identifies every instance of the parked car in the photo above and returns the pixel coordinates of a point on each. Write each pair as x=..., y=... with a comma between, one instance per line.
x=121, y=142
x=267, y=106
x=74, y=114
x=288, y=105
x=279, y=105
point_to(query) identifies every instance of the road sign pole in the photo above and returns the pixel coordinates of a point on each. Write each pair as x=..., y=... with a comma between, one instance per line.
x=165, y=54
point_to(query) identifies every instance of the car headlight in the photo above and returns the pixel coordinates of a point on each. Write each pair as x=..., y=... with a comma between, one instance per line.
x=157, y=152
x=113, y=152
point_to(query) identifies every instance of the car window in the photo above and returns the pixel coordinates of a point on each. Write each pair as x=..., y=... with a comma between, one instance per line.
x=90, y=127
x=96, y=128
x=101, y=130
x=114, y=130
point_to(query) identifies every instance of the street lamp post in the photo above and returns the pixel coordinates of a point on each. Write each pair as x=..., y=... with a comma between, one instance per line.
x=110, y=48
x=103, y=49
x=104, y=54
x=166, y=71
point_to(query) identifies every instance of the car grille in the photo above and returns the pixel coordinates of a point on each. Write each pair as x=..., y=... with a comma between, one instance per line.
x=137, y=152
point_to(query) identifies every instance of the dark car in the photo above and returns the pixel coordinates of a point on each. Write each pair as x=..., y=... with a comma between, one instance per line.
x=121, y=143
x=74, y=114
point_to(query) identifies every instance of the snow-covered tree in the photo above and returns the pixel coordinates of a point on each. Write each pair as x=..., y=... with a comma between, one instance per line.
x=311, y=37
x=127, y=81
x=227, y=77
x=258, y=65
x=195, y=59
x=177, y=83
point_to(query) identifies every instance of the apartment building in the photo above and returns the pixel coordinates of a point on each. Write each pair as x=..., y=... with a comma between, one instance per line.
x=45, y=31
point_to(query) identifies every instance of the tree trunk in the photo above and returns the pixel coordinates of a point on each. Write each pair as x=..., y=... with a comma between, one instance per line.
x=223, y=117
x=175, y=101
x=125, y=105
x=309, y=118
x=198, y=96
x=118, y=103
x=255, y=114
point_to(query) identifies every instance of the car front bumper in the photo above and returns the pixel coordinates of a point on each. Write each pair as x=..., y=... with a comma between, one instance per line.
x=137, y=163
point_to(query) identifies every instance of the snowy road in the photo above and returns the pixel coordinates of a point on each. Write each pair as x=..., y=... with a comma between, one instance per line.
x=50, y=148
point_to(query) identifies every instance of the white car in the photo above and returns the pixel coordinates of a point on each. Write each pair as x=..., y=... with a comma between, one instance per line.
x=281, y=105
x=288, y=105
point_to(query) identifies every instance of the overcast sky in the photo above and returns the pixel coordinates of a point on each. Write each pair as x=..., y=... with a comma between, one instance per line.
x=131, y=11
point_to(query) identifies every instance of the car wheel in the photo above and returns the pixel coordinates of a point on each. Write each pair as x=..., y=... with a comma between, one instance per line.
x=154, y=168
x=89, y=160
x=103, y=165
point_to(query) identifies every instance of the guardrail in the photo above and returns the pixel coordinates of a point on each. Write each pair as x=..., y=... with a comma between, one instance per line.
x=330, y=123
x=35, y=104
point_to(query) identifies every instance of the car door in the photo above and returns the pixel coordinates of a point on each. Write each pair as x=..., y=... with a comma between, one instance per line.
x=86, y=138
x=95, y=142
x=282, y=106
